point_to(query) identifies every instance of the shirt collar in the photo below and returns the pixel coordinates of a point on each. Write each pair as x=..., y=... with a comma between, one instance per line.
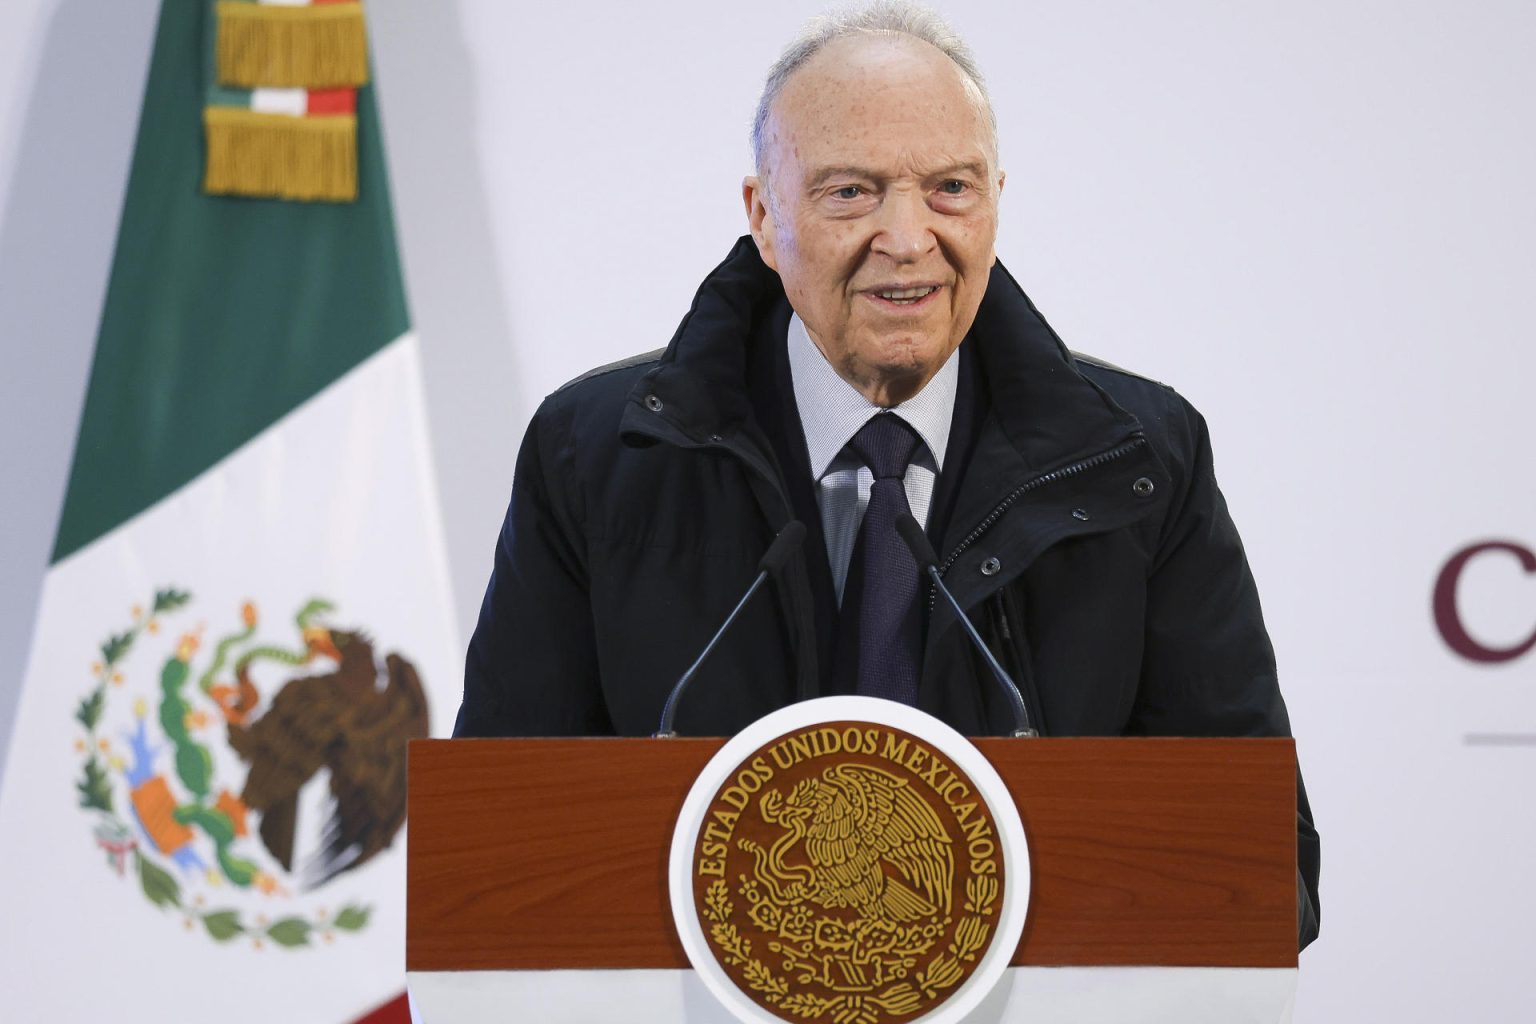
x=832, y=410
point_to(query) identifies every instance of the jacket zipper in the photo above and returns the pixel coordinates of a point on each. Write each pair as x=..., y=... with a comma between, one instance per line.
x=1030, y=485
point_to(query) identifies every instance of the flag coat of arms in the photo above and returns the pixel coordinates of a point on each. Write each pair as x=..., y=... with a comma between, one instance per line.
x=247, y=615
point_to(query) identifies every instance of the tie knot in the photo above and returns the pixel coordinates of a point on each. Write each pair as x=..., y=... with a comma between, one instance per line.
x=886, y=444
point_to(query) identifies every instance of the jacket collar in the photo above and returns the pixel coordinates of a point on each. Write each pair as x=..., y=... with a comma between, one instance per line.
x=696, y=394
x=697, y=391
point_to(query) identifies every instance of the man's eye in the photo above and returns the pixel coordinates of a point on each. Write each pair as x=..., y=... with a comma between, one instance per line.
x=848, y=192
x=952, y=187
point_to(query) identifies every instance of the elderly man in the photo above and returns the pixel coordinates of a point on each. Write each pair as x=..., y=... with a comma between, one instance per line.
x=860, y=356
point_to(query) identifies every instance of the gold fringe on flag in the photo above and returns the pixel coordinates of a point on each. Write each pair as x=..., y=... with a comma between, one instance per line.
x=322, y=46
x=281, y=157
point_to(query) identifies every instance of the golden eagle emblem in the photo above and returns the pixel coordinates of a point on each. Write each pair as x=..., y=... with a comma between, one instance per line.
x=869, y=842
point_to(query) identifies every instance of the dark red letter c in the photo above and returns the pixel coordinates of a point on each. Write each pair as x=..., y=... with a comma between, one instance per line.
x=1448, y=618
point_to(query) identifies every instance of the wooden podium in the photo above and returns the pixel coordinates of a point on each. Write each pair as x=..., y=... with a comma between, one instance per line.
x=530, y=860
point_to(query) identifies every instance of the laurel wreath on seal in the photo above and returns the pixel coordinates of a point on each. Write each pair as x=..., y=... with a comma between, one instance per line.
x=941, y=972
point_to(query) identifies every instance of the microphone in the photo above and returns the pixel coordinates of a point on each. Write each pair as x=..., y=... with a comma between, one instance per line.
x=773, y=561
x=928, y=561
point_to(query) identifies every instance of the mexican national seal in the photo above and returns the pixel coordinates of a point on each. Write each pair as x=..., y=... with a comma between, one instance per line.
x=850, y=870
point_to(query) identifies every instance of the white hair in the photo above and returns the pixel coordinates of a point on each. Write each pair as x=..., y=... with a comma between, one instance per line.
x=900, y=17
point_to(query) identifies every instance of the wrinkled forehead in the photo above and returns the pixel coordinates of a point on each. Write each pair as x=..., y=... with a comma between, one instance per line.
x=879, y=96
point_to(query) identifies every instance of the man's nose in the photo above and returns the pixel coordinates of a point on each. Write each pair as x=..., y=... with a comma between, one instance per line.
x=904, y=227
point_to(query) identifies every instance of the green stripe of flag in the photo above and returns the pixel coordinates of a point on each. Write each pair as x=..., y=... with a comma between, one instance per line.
x=228, y=96
x=222, y=313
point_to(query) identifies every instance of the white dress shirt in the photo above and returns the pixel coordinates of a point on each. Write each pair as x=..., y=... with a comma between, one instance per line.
x=832, y=411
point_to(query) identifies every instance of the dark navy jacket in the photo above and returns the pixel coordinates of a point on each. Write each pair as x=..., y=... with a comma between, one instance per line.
x=1077, y=520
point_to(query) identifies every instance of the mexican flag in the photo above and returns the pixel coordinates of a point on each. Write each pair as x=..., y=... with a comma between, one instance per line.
x=247, y=615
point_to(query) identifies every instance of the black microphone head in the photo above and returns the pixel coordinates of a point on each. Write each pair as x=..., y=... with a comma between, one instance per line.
x=784, y=545
x=917, y=540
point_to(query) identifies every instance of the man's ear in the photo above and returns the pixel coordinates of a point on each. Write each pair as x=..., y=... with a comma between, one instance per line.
x=754, y=193
x=1002, y=178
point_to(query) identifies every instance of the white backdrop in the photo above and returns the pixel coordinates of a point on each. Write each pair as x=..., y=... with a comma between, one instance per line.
x=1313, y=218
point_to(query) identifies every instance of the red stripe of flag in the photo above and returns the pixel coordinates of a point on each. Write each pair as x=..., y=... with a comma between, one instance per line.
x=396, y=1011
x=332, y=101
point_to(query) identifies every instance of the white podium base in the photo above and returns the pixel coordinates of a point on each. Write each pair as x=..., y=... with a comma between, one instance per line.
x=1026, y=995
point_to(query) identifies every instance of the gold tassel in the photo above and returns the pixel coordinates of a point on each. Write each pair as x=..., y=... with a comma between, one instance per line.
x=281, y=157
x=323, y=46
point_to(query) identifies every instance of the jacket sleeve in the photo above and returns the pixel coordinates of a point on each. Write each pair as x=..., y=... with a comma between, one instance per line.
x=531, y=669
x=1209, y=667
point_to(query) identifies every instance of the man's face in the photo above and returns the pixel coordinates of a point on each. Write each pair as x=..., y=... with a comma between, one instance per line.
x=878, y=208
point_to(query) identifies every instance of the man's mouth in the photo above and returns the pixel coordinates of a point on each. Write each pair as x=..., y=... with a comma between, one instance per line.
x=905, y=296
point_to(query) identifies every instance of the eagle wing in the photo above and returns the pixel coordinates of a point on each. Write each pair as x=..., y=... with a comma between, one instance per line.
x=866, y=816
x=368, y=773
x=847, y=869
x=288, y=744
x=284, y=748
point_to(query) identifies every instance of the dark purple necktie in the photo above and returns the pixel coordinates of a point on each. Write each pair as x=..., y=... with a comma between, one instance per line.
x=887, y=575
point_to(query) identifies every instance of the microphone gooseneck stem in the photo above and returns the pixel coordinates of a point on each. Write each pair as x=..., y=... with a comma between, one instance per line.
x=665, y=730
x=788, y=541
x=1021, y=724
x=917, y=542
